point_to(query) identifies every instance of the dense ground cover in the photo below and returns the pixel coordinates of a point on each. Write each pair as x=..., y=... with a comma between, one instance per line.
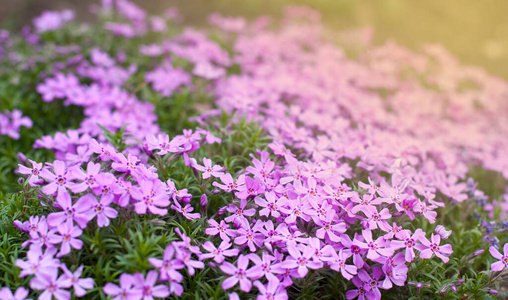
x=267, y=159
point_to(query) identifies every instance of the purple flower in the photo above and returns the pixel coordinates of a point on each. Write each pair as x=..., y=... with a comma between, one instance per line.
x=503, y=259
x=89, y=179
x=376, y=247
x=220, y=252
x=60, y=180
x=263, y=266
x=34, y=172
x=150, y=199
x=229, y=184
x=20, y=294
x=301, y=261
x=38, y=262
x=428, y=248
x=101, y=209
x=209, y=170
x=127, y=289
x=272, y=291
x=337, y=262
x=409, y=242
x=79, y=284
x=68, y=238
x=239, y=213
x=52, y=286
x=77, y=212
x=271, y=204
x=169, y=265
x=147, y=287
x=185, y=211
x=221, y=228
x=238, y=274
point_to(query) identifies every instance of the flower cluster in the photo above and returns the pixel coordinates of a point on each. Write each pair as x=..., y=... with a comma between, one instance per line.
x=358, y=150
x=11, y=123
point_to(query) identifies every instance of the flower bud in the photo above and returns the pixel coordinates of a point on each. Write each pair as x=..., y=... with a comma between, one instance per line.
x=221, y=211
x=22, y=158
x=443, y=233
x=479, y=252
x=204, y=200
x=493, y=291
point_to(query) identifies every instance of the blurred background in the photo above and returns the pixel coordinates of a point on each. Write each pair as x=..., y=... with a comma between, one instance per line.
x=476, y=31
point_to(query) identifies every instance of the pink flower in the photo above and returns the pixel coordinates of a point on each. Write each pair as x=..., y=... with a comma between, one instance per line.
x=301, y=261
x=51, y=285
x=34, y=172
x=218, y=253
x=149, y=199
x=272, y=291
x=20, y=294
x=147, y=288
x=68, y=238
x=79, y=284
x=503, y=259
x=428, y=248
x=77, y=212
x=239, y=274
x=101, y=210
x=169, y=265
x=127, y=289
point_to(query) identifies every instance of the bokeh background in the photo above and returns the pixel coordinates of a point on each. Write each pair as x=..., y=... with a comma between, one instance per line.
x=476, y=31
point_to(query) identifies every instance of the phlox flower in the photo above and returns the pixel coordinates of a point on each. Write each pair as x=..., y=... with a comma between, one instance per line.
x=238, y=274
x=148, y=289
x=337, y=262
x=20, y=294
x=68, y=238
x=442, y=232
x=77, y=212
x=59, y=181
x=89, y=179
x=395, y=270
x=221, y=228
x=263, y=267
x=409, y=242
x=272, y=291
x=271, y=204
x=79, y=284
x=185, y=211
x=52, y=285
x=185, y=255
x=33, y=172
x=428, y=248
x=101, y=210
x=239, y=213
x=329, y=227
x=127, y=289
x=218, y=253
x=378, y=219
x=252, y=187
x=503, y=258
x=250, y=236
x=147, y=199
x=159, y=142
x=169, y=265
x=301, y=261
x=376, y=248
x=229, y=184
x=123, y=164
